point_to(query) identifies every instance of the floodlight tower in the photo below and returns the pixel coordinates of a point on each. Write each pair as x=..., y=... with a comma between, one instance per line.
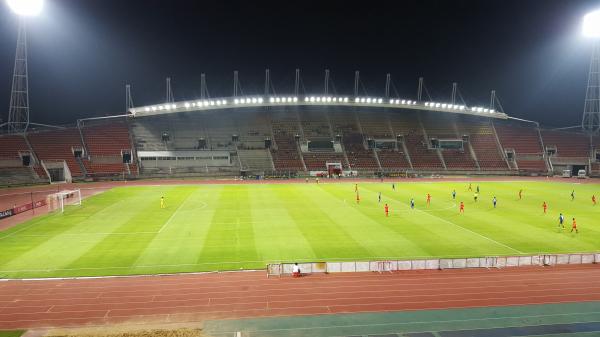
x=591, y=111
x=18, y=111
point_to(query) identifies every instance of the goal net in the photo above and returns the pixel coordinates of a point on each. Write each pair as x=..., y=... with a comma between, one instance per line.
x=57, y=201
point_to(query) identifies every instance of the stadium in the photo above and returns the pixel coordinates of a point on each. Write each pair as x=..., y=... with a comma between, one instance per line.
x=381, y=215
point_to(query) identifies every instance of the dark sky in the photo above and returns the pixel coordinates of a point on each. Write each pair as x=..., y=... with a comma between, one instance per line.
x=83, y=52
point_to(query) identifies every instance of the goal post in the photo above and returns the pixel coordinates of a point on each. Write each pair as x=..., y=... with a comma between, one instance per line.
x=57, y=201
x=334, y=168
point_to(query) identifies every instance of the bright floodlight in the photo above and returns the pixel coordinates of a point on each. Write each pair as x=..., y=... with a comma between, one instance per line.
x=591, y=24
x=26, y=7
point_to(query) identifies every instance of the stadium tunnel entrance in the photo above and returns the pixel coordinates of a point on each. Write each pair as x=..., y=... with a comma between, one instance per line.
x=575, y=169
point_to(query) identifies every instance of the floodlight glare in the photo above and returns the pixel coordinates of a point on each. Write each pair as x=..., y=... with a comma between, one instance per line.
x=591, y=24
x=26, y=7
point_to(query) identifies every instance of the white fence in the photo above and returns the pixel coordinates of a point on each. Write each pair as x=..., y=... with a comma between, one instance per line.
x=278, y=269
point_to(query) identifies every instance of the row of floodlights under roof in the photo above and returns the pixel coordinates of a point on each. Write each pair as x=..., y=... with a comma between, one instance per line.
x=458, y=107
x=480, y=109
x=312, y=99
x=445, y=105
x=198, y=104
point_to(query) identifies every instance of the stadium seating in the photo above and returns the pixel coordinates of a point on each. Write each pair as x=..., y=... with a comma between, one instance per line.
x=407, y=124
x=254, y=127
x=531, y=165
x=524, y=140
x=315, y=125
x=255, y=160
x=11, y=145
x=286, y=157
x=443, y=126
x=359, y=158
x=106, y=139
x=567, y=144
x=105, y=143
x=17, y=175
x=316, y=161
x=375, y=125
x=244, y=135
x=58, y=145
x=484, y=143
x=393, y=160
x=526, y=143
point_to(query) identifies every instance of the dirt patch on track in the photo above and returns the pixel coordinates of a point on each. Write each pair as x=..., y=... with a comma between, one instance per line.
x=126, y=331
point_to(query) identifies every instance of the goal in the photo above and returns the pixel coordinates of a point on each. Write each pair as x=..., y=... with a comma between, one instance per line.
x=57, y=201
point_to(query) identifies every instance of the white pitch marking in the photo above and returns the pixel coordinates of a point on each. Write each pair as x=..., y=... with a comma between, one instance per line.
x=174, y=213
x=470, y=231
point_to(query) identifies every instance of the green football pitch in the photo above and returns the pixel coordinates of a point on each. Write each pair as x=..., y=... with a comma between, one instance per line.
x=230, y=227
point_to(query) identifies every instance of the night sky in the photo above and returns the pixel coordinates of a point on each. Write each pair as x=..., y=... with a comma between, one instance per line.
x=83, y=52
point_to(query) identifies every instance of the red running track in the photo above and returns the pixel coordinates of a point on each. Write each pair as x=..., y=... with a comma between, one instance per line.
x=196, y=297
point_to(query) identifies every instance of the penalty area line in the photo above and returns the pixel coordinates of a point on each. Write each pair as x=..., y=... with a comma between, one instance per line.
x=473, y=232
x=175, y=213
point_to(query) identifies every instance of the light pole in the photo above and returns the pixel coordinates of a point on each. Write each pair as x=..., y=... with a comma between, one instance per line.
x=591, y=111
x=18, y=112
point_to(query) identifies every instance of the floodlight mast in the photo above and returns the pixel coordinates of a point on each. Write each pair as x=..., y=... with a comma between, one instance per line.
x=18, y=111
x=591, y=111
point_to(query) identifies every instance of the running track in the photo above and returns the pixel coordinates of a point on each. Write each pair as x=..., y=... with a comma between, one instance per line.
x=196, y=297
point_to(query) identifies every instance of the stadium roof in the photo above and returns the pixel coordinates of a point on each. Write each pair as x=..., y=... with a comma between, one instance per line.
x=343, y=101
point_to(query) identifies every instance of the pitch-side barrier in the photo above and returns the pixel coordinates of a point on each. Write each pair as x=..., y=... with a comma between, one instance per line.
x=279, y=269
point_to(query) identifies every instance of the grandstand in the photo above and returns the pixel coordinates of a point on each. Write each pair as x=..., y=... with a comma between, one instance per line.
x=293, y=140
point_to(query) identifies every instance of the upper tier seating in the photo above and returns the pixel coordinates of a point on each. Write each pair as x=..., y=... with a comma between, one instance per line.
x=393, y=160
x=407, y=124
x=254, y=127
x=375, y=125
x=315, y=125
x=107, y=139
x=484, y=143
x=568, y=144
x=11, y=145
x=286, y=157
x=532, y=165
x=524, y=140
x=359, y=157
x=459, y=160
x=58, y=145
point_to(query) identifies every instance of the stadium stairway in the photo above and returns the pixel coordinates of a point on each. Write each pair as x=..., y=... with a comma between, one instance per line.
x=58, y=145
x=526, y=144
x=106, y=142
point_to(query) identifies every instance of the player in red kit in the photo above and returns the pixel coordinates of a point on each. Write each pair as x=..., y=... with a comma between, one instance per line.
x=574, y=226
x=387, y=209
x=462, y=207
x=545, y=207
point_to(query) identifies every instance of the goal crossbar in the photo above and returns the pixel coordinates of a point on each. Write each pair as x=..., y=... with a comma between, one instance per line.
x=57, y=201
